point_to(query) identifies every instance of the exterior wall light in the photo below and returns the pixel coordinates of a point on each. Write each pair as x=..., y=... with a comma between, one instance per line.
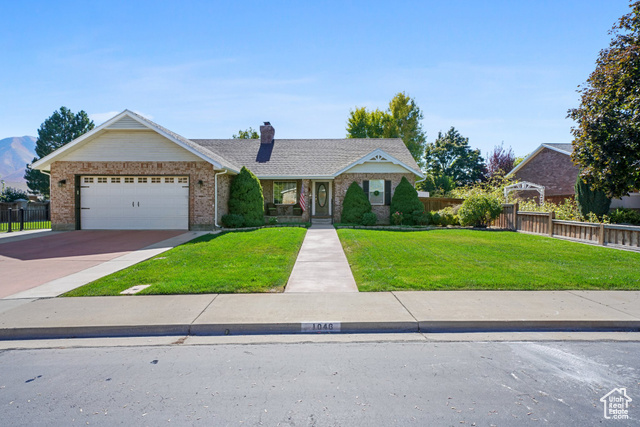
x=62, y=183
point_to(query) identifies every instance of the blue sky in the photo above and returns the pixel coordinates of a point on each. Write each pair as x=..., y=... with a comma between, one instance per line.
x=496, y=70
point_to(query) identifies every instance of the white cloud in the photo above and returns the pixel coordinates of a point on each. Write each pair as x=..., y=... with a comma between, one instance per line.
x=146, y=116
x=99, y=118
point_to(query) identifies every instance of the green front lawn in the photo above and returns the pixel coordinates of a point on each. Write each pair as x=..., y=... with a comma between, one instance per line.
x=15, y=225
x=469, y=259
x=252, y=261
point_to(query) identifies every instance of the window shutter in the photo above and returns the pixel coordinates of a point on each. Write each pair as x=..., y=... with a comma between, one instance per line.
x=387, y=193
x=365, y=187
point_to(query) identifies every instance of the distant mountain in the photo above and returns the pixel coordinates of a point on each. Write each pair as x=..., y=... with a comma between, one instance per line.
x=15, y=153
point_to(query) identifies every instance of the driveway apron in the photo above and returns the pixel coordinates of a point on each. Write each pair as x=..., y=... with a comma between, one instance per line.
x=321, y=265
x=29, y=263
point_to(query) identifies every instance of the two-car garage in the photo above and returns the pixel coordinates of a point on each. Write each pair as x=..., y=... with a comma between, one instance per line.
x=134, y=202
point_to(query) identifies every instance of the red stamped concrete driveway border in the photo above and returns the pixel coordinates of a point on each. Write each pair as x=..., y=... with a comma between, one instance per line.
x=32, y=262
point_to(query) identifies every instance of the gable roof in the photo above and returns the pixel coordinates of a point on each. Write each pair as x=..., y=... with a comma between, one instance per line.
x=130, y=120
x=560, y=148
x=309, y=157
x=325, y=158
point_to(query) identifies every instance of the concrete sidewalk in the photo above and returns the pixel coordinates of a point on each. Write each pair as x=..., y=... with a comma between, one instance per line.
x=321, y=265
x=294, y=313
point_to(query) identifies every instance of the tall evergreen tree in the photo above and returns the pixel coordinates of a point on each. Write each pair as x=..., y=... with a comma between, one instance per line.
x=591, y=200
x=61, y=128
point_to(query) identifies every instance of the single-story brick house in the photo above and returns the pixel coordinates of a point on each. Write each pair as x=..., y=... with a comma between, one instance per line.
x=131, y=173
x=550, y=165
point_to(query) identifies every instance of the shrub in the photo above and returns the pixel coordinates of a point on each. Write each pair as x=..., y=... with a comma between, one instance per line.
x=479, y=210
x=273, y=220
x=446, y=216
x=10, y=194
x=246, y=198
x=625, y=216
x=233, y=220
x=591, y=201
x=405, y=200
x=435, y=218
x=396, y=218
x=421, y=218
x=355, y=205
x=369, y=219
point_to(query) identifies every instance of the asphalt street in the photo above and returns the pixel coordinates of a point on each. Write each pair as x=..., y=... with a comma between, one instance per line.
x=320, y=384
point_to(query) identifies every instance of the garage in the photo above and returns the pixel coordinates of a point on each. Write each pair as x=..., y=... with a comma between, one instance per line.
x=134, y=202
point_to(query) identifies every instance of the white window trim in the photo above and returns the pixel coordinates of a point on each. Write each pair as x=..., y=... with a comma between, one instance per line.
x=381, y=192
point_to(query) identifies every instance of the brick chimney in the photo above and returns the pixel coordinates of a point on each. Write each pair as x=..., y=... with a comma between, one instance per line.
x=267, y=132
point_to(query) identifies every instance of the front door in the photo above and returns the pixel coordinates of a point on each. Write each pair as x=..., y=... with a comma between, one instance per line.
x=322, y=199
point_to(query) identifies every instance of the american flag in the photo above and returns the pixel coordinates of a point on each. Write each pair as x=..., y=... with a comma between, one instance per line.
x=303, y=204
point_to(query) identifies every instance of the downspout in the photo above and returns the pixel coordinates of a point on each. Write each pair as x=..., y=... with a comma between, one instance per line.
x=215, y=206
x=416, y=183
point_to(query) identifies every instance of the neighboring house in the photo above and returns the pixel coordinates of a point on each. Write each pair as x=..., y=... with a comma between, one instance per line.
x=550, y=165
x=130, y=173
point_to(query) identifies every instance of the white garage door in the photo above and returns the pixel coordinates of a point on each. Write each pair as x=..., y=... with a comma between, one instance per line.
x=134, y=202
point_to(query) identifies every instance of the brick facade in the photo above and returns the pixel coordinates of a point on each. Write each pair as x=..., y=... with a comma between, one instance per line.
x=342, y=182
x=201, y=197
x=554, y=170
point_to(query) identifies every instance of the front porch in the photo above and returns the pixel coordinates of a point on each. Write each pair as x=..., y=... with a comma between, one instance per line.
x=298, y=200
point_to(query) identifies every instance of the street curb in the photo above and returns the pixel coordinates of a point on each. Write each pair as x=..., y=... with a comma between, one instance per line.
x=296, y=328
x=92, y=332
x=529, y=326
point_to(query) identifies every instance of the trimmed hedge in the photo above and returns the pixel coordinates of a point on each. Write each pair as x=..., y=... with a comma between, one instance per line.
x=355, y=205
x=246, y=198
x=405, y=200
x=369, y=218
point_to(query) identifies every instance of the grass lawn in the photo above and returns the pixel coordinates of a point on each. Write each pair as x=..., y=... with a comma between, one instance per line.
x=252, y=261
x=15, y=225
x=469, y=259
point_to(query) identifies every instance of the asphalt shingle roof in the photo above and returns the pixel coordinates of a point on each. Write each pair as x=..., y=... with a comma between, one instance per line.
x=302, y=157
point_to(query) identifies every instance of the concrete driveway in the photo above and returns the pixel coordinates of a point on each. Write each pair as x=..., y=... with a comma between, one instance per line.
x=29, y=263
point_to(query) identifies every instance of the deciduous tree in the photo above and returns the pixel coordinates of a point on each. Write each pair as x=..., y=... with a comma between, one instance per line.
x=450, y=155
x=246, y=134
x=401, y=120
x=607, y=136
x=500, y=161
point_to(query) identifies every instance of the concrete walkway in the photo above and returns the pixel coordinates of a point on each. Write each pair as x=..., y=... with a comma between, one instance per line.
x=321, y=265
x=295, y=313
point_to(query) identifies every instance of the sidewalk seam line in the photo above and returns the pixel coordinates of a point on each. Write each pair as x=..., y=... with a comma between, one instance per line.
x=198, y=316
x=608, y=306
x=408, y=311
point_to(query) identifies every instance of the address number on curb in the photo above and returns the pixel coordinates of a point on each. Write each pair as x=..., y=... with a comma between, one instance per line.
x=320, y=327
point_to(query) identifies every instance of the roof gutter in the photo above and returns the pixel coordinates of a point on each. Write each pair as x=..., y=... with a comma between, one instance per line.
x=215, y=206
